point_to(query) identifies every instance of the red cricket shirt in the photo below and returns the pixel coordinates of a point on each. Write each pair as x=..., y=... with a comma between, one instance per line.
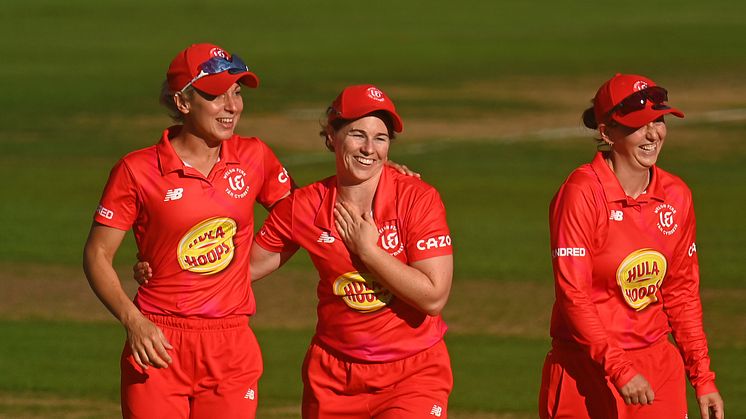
x=195, y=231
x=626, y=270
x=357, y=317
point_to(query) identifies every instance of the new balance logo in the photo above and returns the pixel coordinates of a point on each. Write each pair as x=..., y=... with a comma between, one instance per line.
x=616, y=215
x=173, y=194
x=250, y=394
x=436, y=411
x=325, y=238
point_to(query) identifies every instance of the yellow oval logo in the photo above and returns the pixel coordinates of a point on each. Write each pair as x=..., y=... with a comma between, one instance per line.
x=208, y=248
x=640, y=276
x=361, y=291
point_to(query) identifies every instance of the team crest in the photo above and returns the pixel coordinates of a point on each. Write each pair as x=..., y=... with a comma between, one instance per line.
x=666, y=219
x=389, y=240
x=238, y=186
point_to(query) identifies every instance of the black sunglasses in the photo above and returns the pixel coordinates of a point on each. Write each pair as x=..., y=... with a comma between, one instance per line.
x=657, y=95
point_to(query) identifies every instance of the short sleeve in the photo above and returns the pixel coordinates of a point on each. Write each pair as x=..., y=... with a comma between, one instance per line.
x=119, y=203
x=276, y=234
x=277, y=181
x=427, y=233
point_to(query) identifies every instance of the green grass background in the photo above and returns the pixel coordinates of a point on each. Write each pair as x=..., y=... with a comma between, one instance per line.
x=79, y=85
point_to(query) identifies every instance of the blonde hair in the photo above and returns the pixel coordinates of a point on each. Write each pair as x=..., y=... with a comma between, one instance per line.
x=166, y=99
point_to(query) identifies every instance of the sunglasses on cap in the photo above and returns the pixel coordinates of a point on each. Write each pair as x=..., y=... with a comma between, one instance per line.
x=217, y=65
x=657, y=95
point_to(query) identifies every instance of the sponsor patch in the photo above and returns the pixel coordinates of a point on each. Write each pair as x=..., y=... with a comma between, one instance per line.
x=361, y=291
x=105, y=212
x=283, y=176
x=207, y=248
x=640, y=276
x=434, y=242
x=568, y=251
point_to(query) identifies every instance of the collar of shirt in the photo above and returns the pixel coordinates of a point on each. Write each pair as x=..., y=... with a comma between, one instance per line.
x=384, y=202
x=169, y=161
x=613, y=189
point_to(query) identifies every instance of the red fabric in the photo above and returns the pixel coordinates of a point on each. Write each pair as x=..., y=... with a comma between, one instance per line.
x=626, y=271
x=414, y=387
x=214, y=375
x=198, y=272
x=362, y=320
x=574, y=387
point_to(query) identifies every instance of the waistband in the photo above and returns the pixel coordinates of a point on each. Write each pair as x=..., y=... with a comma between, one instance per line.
x=315, y=341
x=196, y=323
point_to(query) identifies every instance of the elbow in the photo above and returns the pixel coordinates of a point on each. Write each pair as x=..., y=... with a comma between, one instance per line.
x=435, y=307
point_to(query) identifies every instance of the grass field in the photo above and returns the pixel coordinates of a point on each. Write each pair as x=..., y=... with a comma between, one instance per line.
x=491, y=94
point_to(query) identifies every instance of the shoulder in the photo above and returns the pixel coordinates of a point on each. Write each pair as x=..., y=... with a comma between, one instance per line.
x=314, y=192
x=409, y=185
x=672, y=184
x=143, y=157
x=582, y=189
x=248, y=144
x=583, y=176
x=581, y=181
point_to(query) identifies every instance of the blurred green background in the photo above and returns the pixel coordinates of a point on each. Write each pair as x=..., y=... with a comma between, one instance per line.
x=491, y=94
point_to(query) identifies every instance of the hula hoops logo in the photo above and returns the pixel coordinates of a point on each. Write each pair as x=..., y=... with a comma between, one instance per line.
x=208, y=247
x=640, y=276
x=361, y=292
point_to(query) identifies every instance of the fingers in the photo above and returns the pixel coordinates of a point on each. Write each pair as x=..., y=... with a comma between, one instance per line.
x=704, y=411
x=637, y=391
x=711, y=406
x=148, y=344
x=153, y=354
x=142, y=272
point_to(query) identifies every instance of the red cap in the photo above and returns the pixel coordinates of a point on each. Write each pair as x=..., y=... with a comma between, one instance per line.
x=620, y=87
x=185, y=67
x=357, y=101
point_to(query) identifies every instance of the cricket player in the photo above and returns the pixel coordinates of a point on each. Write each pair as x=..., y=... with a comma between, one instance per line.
x=626, y=274
x=382, y=248
x=189, y=200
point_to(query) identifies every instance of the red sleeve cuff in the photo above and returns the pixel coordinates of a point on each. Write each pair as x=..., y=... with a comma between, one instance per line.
x=706, y=388
x=624, y=378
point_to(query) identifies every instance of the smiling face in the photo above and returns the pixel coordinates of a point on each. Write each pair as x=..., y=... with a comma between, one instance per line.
x=212, y=118
x=361, y=148
x=635, y=148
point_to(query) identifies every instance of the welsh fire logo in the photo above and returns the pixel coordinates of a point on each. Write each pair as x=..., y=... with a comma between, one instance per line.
x=640, y=276
x=208, y=248
x=361, y=292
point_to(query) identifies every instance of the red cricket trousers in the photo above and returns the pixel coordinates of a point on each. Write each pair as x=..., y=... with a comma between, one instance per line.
x=574, y=386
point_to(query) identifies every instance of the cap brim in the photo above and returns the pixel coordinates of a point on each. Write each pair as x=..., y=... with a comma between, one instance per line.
x=217, y=84
x=395, y=119
x=645, y=116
